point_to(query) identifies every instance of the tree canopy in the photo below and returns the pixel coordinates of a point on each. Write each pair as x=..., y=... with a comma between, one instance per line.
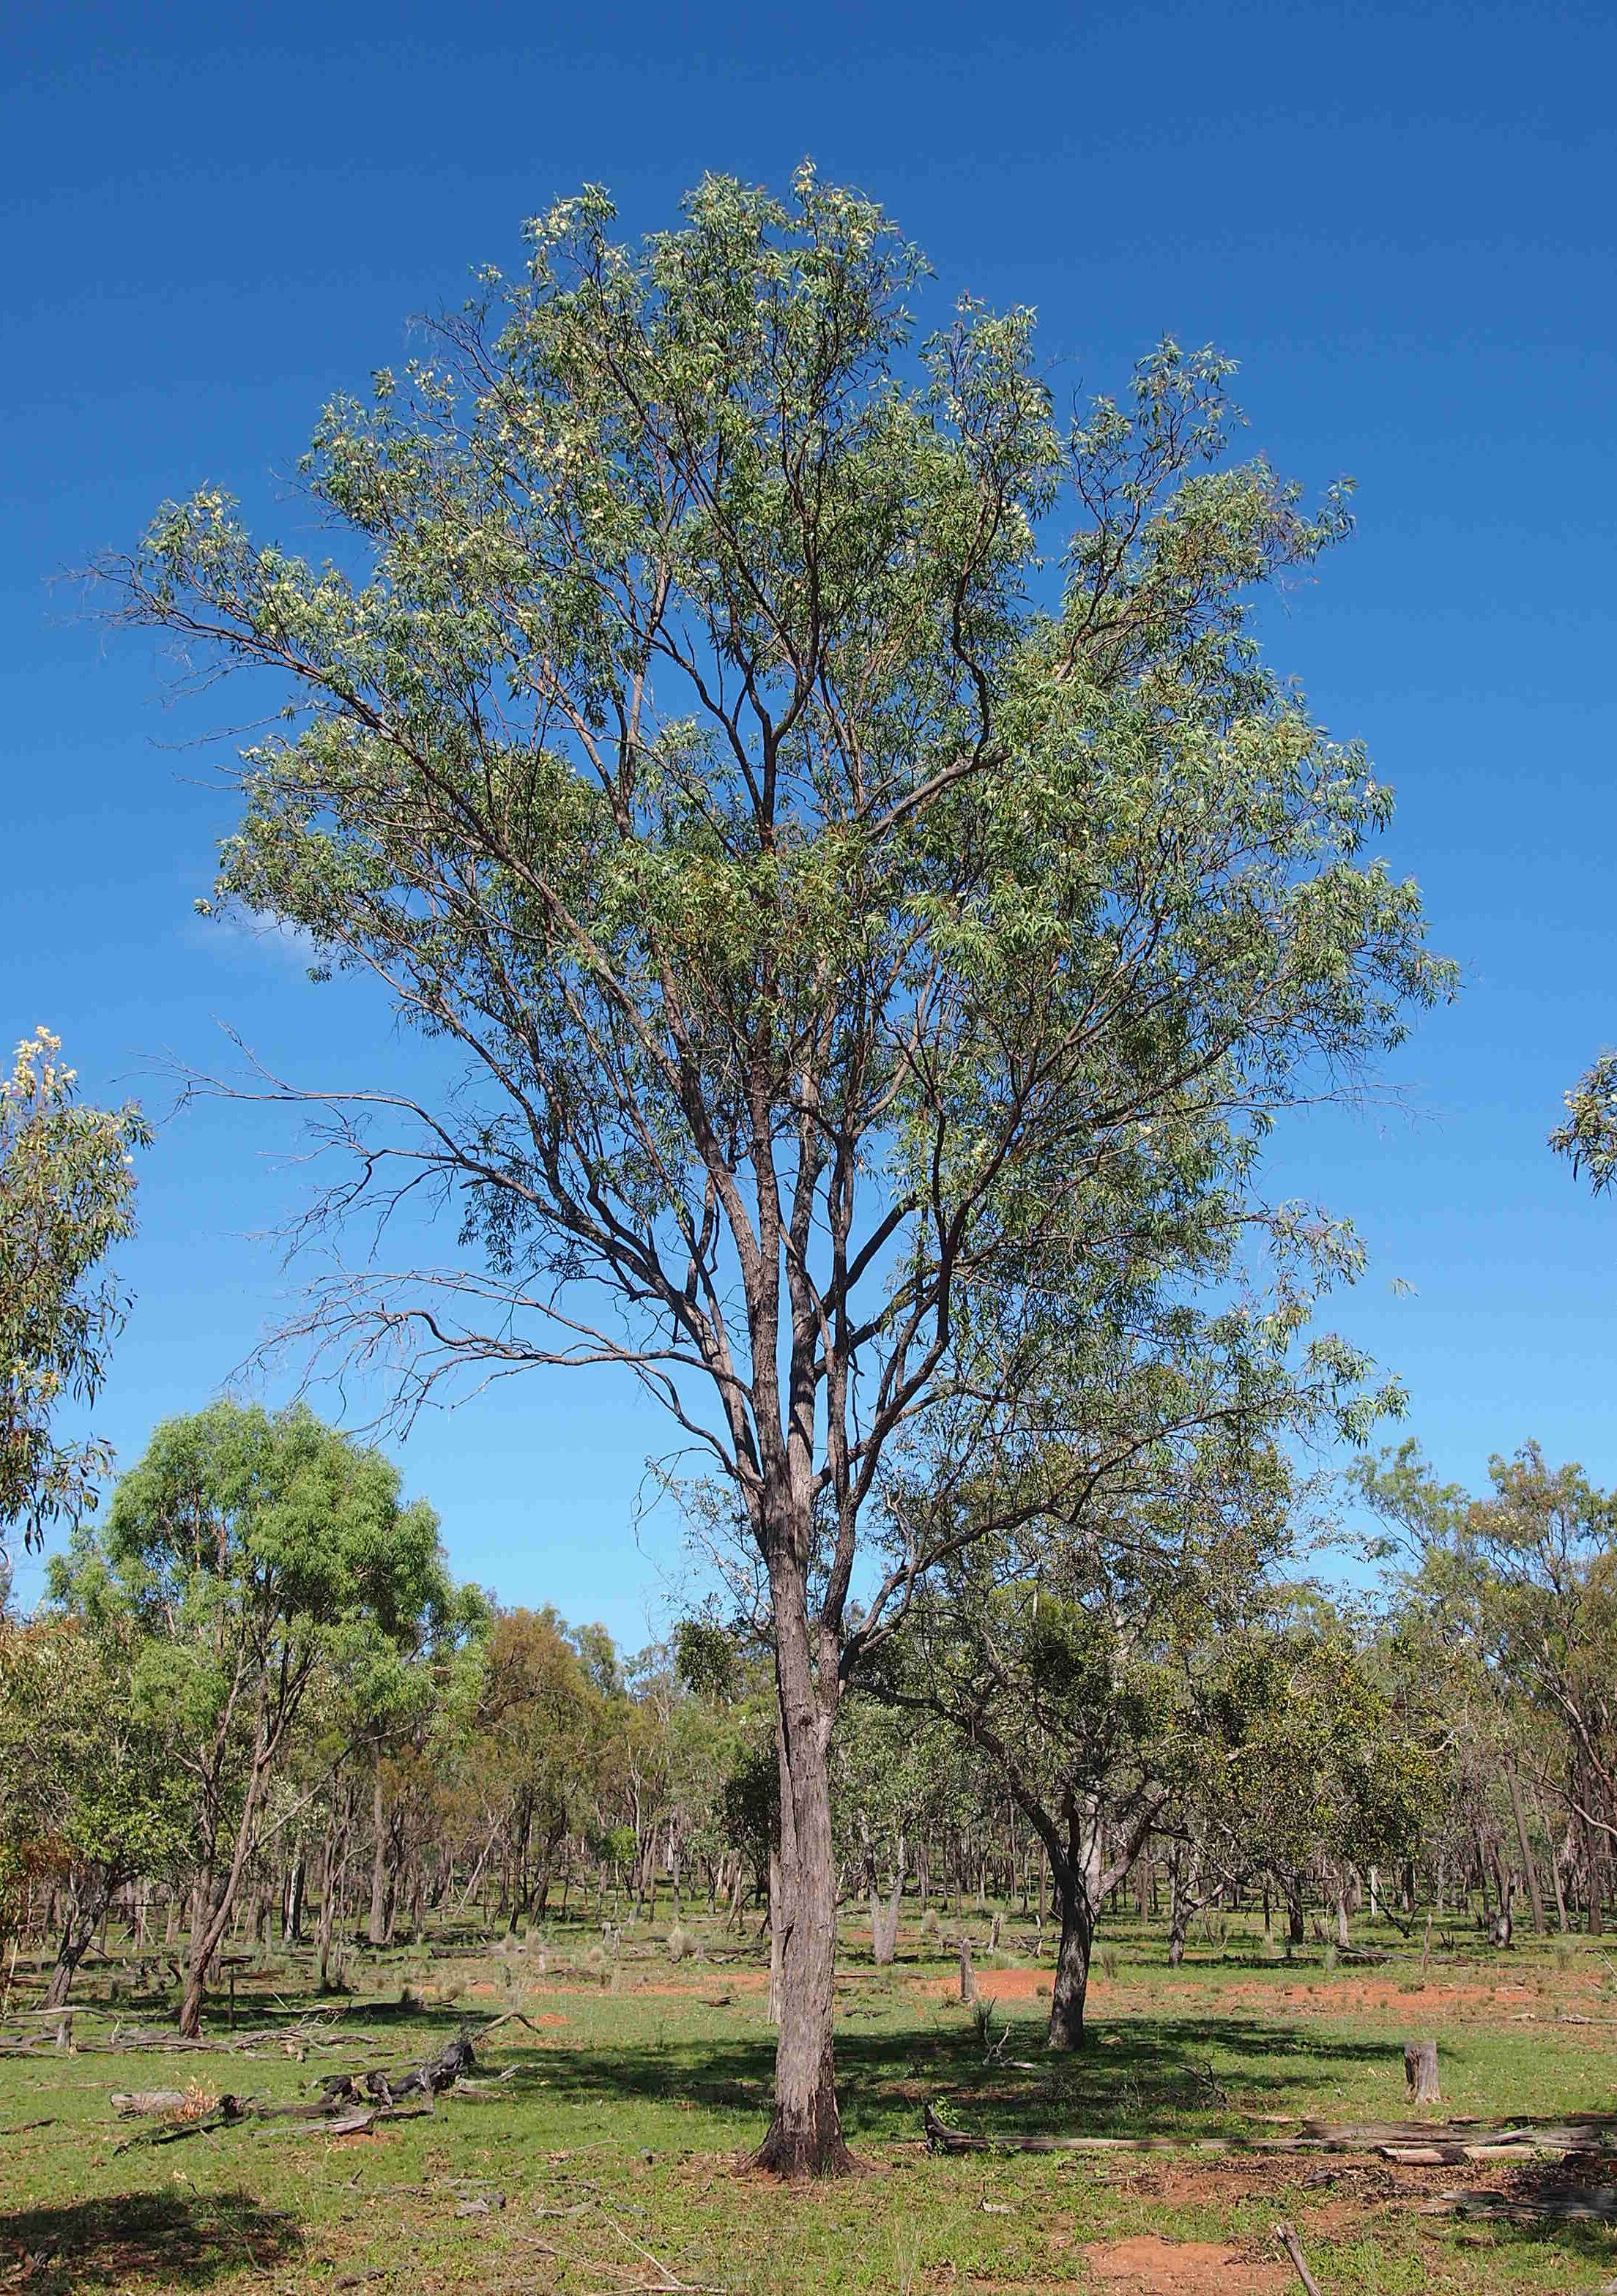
x=66, y=1197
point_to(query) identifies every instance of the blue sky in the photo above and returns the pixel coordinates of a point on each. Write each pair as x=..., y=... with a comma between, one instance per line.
x=1401, y=221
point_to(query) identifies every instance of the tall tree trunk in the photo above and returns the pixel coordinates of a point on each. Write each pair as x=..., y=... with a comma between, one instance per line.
x=1555, y=1863
x=212, y=1919
x=883, y=1917
x=1070, y=1989
x=805, y=2136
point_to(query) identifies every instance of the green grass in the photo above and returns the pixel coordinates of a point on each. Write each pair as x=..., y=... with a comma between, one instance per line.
x=614, y=2148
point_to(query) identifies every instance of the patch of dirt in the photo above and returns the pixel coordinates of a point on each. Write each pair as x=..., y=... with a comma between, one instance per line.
x=1148, y=2266
x=1009, y=1985
x=1327, y=1997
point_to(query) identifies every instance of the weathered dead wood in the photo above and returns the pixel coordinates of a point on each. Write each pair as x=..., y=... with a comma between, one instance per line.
x=480, y=2091
x=230, y=2113
x=506, y=2017
x=1293, y=2246
x=1420, y=2072
x=150, y=2100
x=1413, y=2145
x=1595, y=2203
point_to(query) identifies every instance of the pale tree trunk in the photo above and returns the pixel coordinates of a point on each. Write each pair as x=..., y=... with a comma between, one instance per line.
x=1555, y=1863
x=1529, y=1865
x=883, y=1917
x=1342, y=1938
x=327, y=1917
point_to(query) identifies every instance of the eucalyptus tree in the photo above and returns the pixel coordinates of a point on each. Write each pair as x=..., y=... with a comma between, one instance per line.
x=88, y=1801
x=541, y=1722
x=248, y=1553
x=1078, y=1658
x=1588, y=1136
x=66, y=1197
x=822, y=811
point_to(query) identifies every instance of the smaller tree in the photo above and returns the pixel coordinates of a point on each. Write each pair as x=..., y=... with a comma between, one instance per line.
x=542, y=1719
x=67, y=1196
x=249, y=1552
x=1078, y=1664
x=1525, y=1582
x=1319, y=1754
x=898, y=1778
x=86, y=1799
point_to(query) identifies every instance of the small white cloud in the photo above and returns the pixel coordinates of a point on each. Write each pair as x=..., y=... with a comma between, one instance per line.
x=266, y=937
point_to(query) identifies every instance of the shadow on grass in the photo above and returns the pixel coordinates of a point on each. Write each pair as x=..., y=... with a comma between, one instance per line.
x=1144, y=2076
x=178, y=2240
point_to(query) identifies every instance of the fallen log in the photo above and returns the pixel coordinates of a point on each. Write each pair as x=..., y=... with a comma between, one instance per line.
x=942, y=2138
x=1595, y=2203
x=230, y=2113
x=156, y=2100
x=1440, y=2145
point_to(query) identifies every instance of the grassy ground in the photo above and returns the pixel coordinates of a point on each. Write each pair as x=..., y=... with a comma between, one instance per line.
x=607, y=2164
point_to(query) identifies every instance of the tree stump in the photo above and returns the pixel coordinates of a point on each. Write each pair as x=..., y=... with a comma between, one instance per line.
x=968, y=1978
x=1420, y=2072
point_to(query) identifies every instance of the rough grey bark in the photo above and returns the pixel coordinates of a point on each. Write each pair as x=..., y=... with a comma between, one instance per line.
x=1070, y=1991
x=805, y=2134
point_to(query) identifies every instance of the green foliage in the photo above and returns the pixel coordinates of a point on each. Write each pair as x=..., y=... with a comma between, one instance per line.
x=84, y=1780
x=1589, y=1137
x=66, y=1197
x=250, y=1563
x=689, y=754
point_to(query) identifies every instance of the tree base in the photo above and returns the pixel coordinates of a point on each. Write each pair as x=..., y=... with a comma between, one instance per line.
x=800, y=2154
